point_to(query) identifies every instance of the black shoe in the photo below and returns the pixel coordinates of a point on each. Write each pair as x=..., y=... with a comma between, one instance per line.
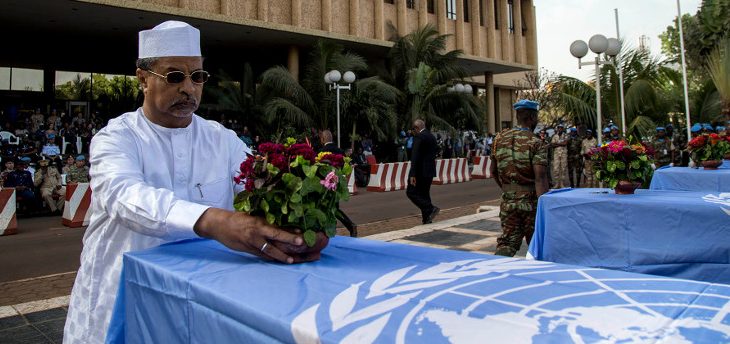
x=432, y=215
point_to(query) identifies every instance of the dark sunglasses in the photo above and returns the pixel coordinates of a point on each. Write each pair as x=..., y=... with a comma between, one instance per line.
x=175, y=77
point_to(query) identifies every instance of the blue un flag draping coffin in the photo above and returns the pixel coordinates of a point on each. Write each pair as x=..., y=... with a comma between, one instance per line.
x=372, y=292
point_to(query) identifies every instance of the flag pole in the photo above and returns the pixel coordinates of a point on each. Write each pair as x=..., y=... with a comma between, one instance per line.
x=684, y=71
x=620, y=78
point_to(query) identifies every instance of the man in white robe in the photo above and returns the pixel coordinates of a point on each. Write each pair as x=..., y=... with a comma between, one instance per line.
x=161, y=174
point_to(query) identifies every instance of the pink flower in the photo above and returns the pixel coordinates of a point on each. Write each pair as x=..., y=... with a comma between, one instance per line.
x=330, y=182
x=616, y=146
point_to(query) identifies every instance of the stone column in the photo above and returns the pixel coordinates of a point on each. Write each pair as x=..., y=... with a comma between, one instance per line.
x=225, y=7
x=263, y=8
x=422, y=13
x=296, y=13
x=441, y=16
x=402, y=18
x=489, y=25
x=327, y=15
x=293, y=62
x=517, y=37
x=504, y=29
x=531, y=38
x=182, y=4
x=459, y=24
x=476, y=42
x=492, y=120
x=354, y=16
x=379, y=28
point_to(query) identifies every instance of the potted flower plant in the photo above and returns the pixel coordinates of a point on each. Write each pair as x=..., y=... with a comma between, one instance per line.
x=709, y=150
x=296, y=189
x=623, y=166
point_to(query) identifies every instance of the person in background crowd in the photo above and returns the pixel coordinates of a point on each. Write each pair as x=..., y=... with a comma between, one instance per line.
x=79, y=172
x=400, y=143
x=49, y=181
x=367, y=145
x=22, y=181
x=37, y=120
x=663, y=148
x=679, y=140
x=409, y=144
x=606, y=135
x=589, y=142
x=51, y=148
x=135, y=207
x=52, y=121
x=423, y=169
x=575, y=159
x=559, y=143
x=519, y=166
x=68, y=164
x=325, y=137
x=614, y=135
x=9, y=167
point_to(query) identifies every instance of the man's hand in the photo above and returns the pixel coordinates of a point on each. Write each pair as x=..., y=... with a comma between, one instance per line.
x=242, y=232
x=412, y=181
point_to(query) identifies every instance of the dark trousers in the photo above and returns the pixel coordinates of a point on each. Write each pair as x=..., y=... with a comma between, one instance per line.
x=420, y=195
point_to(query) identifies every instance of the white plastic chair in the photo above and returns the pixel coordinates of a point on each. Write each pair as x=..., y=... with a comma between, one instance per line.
x=8, y=136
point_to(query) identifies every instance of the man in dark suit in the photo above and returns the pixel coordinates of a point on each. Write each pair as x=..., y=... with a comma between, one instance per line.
x=325, y=137
x=423, y=169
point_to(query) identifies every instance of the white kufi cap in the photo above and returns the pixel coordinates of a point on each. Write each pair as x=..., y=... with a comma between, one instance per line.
x=171, y=38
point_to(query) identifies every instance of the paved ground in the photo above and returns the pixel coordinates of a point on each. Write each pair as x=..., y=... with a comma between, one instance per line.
x=457, y=228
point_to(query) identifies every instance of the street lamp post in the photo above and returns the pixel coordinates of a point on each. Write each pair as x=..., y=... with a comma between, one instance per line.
x=598, y=44
x=332, y=78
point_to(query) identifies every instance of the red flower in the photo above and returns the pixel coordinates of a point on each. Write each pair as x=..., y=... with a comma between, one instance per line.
x=302, y=149
x=279, y=160
x=698, y=141
x=336, y=160
x=247, y=167
x=249, y=184
x=270, y=147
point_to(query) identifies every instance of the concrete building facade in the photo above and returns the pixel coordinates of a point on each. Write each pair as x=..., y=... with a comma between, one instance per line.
x=498, y=37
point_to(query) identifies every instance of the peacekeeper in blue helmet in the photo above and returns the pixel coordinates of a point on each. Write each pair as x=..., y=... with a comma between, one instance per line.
x=663, y=148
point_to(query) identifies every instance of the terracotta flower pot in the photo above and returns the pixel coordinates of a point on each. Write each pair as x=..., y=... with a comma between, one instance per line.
x=626, y=187
x=305, y=253
x=711, y=164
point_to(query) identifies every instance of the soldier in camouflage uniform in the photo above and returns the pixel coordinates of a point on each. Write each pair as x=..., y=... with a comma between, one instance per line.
x=663, y=148
x=679, y=140
x=79, y=172
x=589, y=142
x=519, y=166
x=559, y=143
x=575, y=159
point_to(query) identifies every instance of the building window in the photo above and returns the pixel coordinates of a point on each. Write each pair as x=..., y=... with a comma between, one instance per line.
x=4, y=79
x=431, y=6
x=510, y=16
x=497, y=14
x=389, y=1
x=73, y=85
x=481, y=12
x=22, y=79
x=466, y=10
x=411, y=3
x=524, y=22
x=451, y=9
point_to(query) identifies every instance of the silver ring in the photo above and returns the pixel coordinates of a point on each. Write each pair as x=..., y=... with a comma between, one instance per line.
x=264, y=247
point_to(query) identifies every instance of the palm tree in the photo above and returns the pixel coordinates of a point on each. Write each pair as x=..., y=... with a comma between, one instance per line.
x=237, y=98
x=418, y=65
x=718, y=67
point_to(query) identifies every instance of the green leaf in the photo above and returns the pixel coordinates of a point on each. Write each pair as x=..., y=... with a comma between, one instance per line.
x=311, y=184
x=273, y=170
x=296, y=197
x=611, y=166
x=319, y=215
x=298, y=209
x=635, y=164
x=331, y=229
x=270, y=218
x=293, y=183
x=293, y=217
x=284, y=207
x=310, y=237
x=620, y=165
x=264, y=205
x=310, y=171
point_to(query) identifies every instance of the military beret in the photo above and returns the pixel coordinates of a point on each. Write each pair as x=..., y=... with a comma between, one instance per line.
x=614, y=127
x=80, y=158
x=696, y=127
x=707, y=126
x=526, y=104
x=660, y=129
x=719, y=128
x=669, y=125
x=561, y=125
x=573, y=129
x=606, y=130
x=589, y=131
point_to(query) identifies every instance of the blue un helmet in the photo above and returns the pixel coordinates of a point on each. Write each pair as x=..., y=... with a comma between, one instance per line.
x=606, y=130
x=696, y=128
x=526, y=104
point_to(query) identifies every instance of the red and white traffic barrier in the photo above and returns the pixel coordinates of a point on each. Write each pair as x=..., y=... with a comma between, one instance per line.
x=481, y=169
x=450, y=171
x=76, y=209
x=389, y=177
x=8, y=218
x=351, y=183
